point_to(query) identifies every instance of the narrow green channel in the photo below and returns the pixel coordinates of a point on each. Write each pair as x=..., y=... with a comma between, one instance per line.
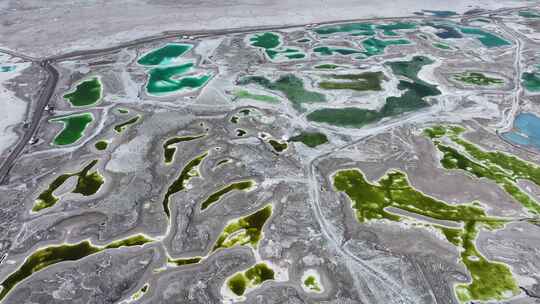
x=189, y=171
x=119, y=128
x=243, y=94
x=216, y=196
x=169, y=148
x=165, y=55
x=51, y=255
x=186, y=261
x=74, y=127
x=87, y=93
x=245, y=230
x=489, y=280
x=88, y=183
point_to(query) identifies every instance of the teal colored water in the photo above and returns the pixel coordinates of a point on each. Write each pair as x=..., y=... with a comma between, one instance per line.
x=7, y=68
x=74, y=127
x=365, y=29
x=328, y=51
x=165, y=55
x=374, y=46
x=531, y=81
x=390, y=28
x=529, y=14
x=489, y=40
x=526, y=131
x=272, y=45
x=168, y=80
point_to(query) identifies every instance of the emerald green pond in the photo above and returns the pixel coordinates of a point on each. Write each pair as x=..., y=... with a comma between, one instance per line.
x=411, y=99
x=531, y=81
x=165, y=55
x=310, y=139
x=489, y=40
x=86, y=93
x=74, y=127
x=374, y=46
x=167, y=80
x=291, y=86
x=365, y=29
x=271, y=43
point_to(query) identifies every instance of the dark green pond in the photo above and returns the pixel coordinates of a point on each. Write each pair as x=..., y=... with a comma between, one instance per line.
x=87, y=93
x=74, y=127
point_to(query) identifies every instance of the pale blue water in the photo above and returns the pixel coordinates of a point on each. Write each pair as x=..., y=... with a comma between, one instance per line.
x=526, y=131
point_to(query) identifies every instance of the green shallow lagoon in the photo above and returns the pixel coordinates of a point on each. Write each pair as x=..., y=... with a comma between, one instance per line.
x=88, y=183
x=86, y=93
x=411, y=99
x=74, y=127
x=162, y=81
x=165, y=55
x=290, y=85
x=310, y=139
x=531, y=81
x=51, y=255
x=489, y=280
x=251, y=278
x=244, y=231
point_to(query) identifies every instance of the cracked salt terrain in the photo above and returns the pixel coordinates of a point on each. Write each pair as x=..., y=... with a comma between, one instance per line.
x=215, y=163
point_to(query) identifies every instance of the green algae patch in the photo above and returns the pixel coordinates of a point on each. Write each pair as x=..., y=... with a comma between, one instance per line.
x=329, y=51
x=327, y=66
x=490, y=280
x=411, y=99
x=74, y=128
x=88, y=183
x=393, y=190
x=311, y=283
x=503, y=169
x=243, y=94
x=278, y=146
x=251, y=278
x=266, y=40
x=184, y=261
x=366, y=81
x=86, y=93
x=244, y=231
x=477, y=79
x=188, y=172
x=216, y=196
x=165, y=55
x=119, y=128
x=442, y=46
x=101, y=145
x=169, y=148
x=51, y=255
x=291, y=86
x=140, y=293
x=310, y=139
x=136, y=240
x=531, y=81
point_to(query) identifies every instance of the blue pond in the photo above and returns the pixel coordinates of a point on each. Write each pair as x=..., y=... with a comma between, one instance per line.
x=526, y=131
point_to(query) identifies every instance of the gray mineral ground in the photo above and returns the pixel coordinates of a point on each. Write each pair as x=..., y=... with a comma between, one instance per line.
x=269, y=152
